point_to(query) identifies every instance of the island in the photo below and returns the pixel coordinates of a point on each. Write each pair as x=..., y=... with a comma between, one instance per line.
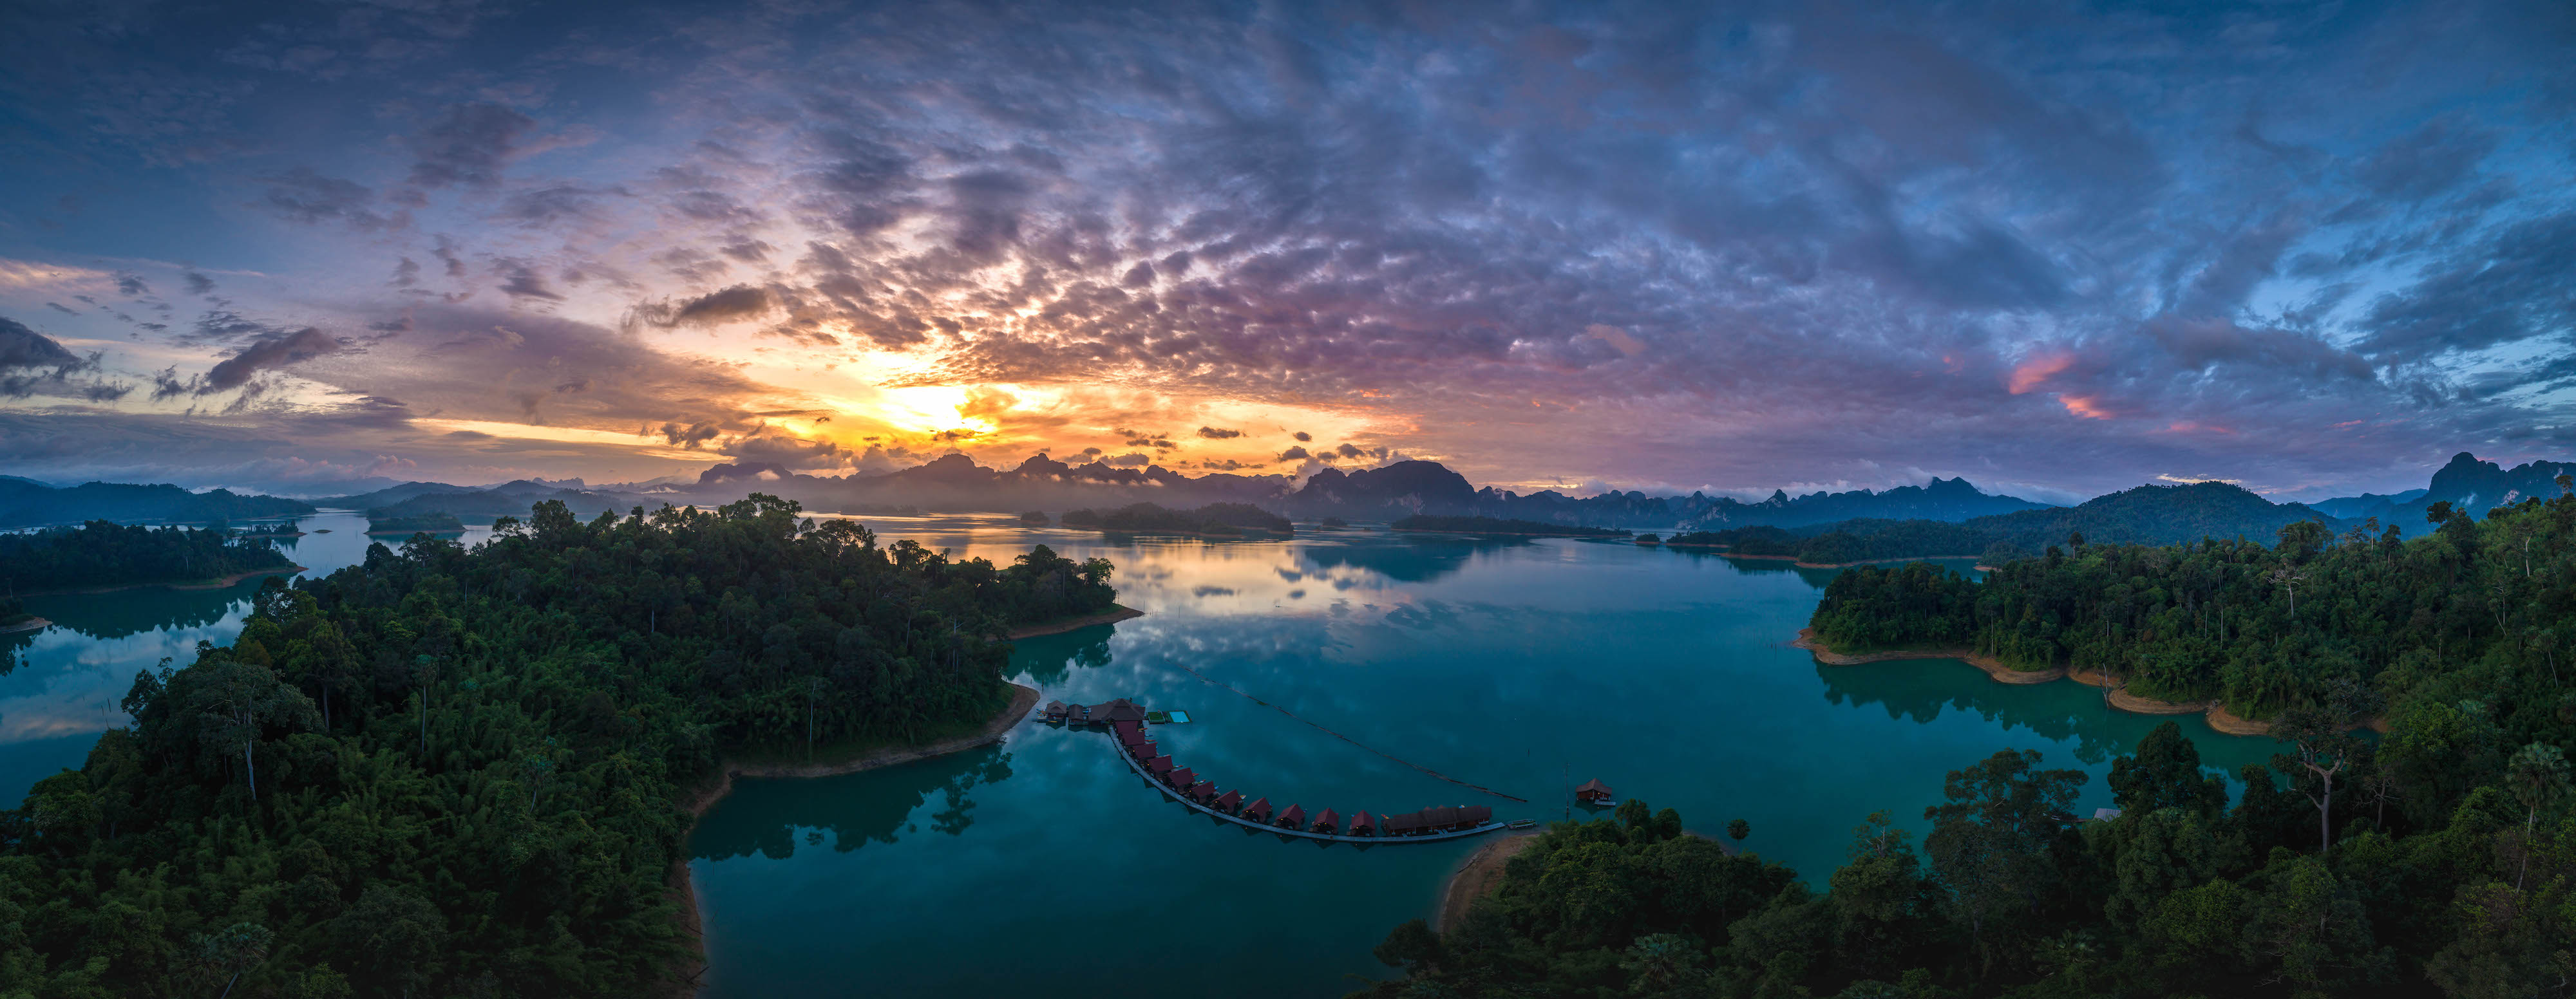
x=101, y=555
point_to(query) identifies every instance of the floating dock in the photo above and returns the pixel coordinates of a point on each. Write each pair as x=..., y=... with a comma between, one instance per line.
x=1439, y=837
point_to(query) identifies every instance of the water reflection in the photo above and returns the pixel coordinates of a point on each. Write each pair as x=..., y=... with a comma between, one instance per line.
x=1409, y=559
x=2071, y=715
x=769, y=817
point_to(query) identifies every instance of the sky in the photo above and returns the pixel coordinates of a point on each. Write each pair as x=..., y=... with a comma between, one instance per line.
x=2315, y=248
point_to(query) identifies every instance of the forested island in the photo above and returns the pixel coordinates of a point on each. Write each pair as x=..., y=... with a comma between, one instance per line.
x=388, y=522
x=2439, y=859
x=101, y=554
x=453, y=771
x=1498, y=525
x=1217, y=520
x=27, y=502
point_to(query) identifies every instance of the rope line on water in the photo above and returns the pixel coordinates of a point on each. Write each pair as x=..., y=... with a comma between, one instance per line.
x=1292, y=716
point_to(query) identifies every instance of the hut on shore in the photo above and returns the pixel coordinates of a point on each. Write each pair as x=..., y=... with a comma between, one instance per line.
x=1118, y=710
x=1593, y=792
x=1362, y=825
x=1258, y=810
x=1293, y=817
x=1327, y=822
x=1055, y=711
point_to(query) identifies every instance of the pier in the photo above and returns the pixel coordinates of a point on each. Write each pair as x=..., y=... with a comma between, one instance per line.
x=1483, y=823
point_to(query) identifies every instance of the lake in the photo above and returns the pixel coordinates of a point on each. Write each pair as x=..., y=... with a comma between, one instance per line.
x=1349, y=670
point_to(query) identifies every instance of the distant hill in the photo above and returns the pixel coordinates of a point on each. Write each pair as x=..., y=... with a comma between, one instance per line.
x=2146, y=515
x=28, y=503
x=2366, y=504
x=483, y=505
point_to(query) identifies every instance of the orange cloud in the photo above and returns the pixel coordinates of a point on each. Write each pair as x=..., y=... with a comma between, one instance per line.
x=2084, y=406
x=2192, y=426
x=2030, y=373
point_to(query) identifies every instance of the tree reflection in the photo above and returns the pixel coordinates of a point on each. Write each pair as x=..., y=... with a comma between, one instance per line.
x=765, y=816
x=1408, y=560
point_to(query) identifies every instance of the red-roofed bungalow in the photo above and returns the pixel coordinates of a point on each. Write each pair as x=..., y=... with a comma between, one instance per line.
x=1475, y=815
x=1183, y=777
x=1159, y=765
x=1294, y=817
x=1362, y=825
x=1229, y=802
x=1327, y=822
x=1593, y=792
x=1201, y=791
x=1258, y=810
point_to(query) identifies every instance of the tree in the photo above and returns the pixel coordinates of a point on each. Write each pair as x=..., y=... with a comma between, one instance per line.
x=1411, y=946
x=2165, y=772
x=1738, y=829
x=2538, y=776
x=2322, y=749
x=238, y=699
x=1990, y=838
x=228, y=952
x=396, y=933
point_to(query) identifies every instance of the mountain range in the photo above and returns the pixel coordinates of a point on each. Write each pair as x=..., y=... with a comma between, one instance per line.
x=956, y=483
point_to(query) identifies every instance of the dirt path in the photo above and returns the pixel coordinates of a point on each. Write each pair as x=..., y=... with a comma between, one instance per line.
x=1477, y=877
x=684, y=980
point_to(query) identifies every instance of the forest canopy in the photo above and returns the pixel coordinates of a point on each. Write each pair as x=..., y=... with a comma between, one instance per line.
x=100, y=554
x=453, y=771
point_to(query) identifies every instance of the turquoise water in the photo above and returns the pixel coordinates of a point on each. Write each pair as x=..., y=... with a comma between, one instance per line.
x=1521, y=666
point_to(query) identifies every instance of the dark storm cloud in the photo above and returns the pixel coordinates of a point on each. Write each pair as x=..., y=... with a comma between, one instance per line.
x=268, y=353
x=734, y=304
x=467, y=145
x=1216, y=434
x=33, y=364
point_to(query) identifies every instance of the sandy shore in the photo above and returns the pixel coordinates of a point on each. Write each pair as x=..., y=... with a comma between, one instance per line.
x=30, y=624
x=684, y=981
x=1994, y=667
x=1477, y=877
x=2216, y=715
x=1113, y=615
x=203, y=584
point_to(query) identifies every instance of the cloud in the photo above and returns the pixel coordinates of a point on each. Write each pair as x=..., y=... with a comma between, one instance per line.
x=1215, y=434
x=467, y=145
x=32, y=363
x=1302, y=436
x=770, y=445
x=738, y=303
x=272, y=352
x=1294, y=454
x=301, y=195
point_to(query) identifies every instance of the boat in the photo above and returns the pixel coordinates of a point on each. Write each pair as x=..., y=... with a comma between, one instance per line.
x=1521, y=824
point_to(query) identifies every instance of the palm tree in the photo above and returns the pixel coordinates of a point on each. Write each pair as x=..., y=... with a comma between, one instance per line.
x=2538, y=776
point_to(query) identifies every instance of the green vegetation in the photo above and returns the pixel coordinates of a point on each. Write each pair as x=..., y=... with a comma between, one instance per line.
x=458, y=772
x=26, y=503
x=2178, y=895
x=2439, y=859
x=13, y=611
x=380, y=521
x=100, y=553
x=2144, y=515
x=1497, y=525
x=1222, y=520
x=1034, y=518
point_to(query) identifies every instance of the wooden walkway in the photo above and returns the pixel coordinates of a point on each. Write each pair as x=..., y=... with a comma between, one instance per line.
x=1439, y=837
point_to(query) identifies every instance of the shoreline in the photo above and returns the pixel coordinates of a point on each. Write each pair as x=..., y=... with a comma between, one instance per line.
x=684, y=980
x=1793, y=560
x=2212, y=713
x=1115, y=614
x=32, y=623
x=1476, y=877
x=1993, y=667
x=1508, y=534
x=218, y=583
